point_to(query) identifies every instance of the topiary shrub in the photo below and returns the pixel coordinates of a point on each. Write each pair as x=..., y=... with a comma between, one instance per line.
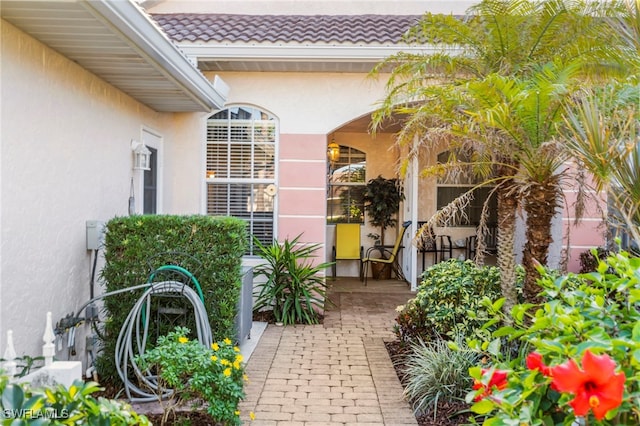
x=209, y=247
x=448, y=301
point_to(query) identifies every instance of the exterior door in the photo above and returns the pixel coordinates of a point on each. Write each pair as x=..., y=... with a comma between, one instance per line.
x=151, y=184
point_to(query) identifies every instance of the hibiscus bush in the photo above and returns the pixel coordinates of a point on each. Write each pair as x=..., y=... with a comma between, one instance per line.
x=579, y=359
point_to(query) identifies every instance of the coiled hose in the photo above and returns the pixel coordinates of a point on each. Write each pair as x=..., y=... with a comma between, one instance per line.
x=138, y=321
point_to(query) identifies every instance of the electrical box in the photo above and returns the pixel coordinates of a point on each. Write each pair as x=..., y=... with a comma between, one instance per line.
x=95, y=233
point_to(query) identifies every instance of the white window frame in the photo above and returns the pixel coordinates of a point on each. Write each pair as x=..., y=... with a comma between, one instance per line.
x=231, y=180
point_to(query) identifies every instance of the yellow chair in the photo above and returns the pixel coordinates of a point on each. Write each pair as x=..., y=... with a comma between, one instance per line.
x=347, y=245
x=392, y=260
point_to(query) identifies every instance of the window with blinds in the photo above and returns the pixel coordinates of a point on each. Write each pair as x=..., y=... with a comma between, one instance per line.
x=241, y=143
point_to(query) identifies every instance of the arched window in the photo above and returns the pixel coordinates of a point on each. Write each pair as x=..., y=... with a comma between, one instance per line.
x=241, y=168
x=346, y=187
x=450, y=188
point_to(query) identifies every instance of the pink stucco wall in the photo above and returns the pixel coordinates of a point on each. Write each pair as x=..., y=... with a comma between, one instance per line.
x=302, y=187
x=588, y=233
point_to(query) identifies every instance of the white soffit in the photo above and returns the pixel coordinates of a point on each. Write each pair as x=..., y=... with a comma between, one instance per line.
x=118, y=42
x=298, y=58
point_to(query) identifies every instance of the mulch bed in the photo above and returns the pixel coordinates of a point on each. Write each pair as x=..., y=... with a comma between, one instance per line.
x=193, y=418
x=447, y=413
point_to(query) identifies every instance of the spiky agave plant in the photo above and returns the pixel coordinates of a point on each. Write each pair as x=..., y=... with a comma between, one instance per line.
x=294, y=287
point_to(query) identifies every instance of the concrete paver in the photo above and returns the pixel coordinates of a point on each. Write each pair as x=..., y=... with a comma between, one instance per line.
x=336, y=373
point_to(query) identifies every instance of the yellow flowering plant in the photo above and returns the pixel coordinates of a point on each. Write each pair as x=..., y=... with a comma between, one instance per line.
x=212, y=374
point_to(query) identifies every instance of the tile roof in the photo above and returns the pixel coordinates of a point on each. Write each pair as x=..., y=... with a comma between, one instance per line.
x=351, y=29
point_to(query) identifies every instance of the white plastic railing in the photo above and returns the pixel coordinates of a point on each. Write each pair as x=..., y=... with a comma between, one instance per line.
x=62, y=372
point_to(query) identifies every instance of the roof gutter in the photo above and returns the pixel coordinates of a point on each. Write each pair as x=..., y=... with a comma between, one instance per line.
x=149, y=40
x=301, y=52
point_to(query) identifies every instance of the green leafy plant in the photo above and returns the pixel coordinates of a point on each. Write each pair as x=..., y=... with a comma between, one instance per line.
x=25, y=364
x=448, y=301
x=214, y=375
x=579, y=345
x=382, y=199
x=63, y=406
x=589, y=259
x=294, y=287
x=436, y=372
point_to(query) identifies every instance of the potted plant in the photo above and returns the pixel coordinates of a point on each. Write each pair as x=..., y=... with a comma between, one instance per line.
x=382, y=199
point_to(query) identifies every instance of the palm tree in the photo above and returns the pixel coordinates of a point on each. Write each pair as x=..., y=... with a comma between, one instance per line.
x=603, y=129
x=508, y=38
x=526, y=111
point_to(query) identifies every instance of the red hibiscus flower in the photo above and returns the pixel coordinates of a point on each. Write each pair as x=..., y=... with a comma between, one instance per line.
x=596, y=386
x=498, y=380
x=534, y=362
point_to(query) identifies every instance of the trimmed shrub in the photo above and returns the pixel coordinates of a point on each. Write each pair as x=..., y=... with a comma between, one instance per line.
x=448, y=301
x=211, y=248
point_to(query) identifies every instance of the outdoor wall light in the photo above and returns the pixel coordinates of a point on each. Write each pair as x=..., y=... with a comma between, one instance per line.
x=141, y=156
x=333, y=151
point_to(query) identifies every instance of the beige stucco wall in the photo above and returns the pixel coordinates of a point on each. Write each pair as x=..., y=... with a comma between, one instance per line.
x=337, y=98
x=66, y=158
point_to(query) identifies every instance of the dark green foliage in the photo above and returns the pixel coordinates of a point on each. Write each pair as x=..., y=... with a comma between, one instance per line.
x=209, y=247
x=449, y=301
x=25, y=364
x=382, y=199
x=294, y=288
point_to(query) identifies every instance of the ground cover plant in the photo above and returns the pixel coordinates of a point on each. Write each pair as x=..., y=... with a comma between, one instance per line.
x=435, y=373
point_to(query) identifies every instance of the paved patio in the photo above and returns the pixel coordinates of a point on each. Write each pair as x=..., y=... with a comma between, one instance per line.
x=337, y=373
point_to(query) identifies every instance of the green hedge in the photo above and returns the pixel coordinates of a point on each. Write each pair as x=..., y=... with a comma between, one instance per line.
x=209, y=247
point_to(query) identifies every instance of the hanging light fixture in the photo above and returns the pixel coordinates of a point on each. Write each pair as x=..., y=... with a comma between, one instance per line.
x=141, y=156
x=333, y=151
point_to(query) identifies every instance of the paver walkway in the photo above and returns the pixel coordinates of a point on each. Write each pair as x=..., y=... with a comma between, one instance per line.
x=337, y=373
